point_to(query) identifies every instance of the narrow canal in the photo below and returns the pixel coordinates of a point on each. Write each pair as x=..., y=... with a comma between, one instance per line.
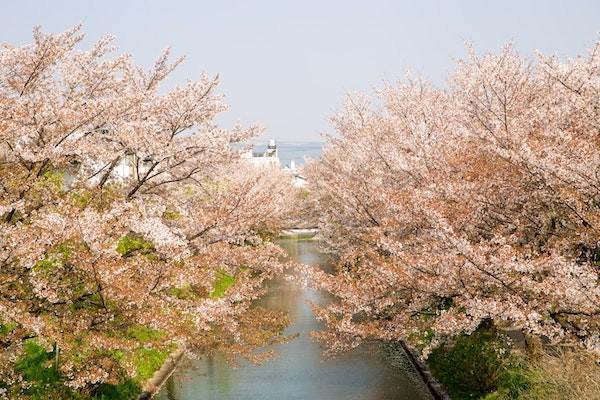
x=299, y=372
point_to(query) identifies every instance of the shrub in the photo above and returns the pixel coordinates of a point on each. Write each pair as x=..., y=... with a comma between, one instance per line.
x=128, y=390
x=44, y=379
x=478, y=364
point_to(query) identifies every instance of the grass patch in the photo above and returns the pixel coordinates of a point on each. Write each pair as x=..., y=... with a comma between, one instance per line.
x=36, y=364
x=44, y=380
x=147, y=361
x=571, y=374
x=223, y=282
x=144, y=334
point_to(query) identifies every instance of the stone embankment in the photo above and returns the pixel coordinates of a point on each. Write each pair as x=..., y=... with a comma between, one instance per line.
x=436, y=390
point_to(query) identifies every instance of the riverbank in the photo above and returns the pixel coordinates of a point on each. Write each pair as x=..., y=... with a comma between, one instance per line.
x=487, y=365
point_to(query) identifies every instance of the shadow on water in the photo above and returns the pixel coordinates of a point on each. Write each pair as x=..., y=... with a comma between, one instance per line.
x=299, y=372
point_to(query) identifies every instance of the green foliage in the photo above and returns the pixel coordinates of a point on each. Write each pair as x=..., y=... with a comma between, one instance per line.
x=420, y=339
x=64, y=250
x=36, y=363
x=44, y=380
x=146, y=359
x=81, y=199
x=55, y=257
x=131, y=244
x=171, y=215
x=223, y=282
x=478, y=365
x=144, y=334
x=186, y=292
x=45, y=265
x=127, y=390
x=6, y=328
x=52, y=180
x=61, y=253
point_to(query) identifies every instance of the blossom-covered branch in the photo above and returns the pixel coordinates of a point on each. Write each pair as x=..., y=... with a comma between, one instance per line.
x=123, y=207
x=476, y=203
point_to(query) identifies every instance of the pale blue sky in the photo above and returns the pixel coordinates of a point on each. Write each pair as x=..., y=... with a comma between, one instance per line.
x=288, y=64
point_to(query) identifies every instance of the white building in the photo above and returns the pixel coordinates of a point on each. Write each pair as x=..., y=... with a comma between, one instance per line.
x=270, y=158
x=298, y=180
x=130, y=166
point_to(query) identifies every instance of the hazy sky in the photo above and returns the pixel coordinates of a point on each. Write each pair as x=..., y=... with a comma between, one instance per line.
x=288, y=64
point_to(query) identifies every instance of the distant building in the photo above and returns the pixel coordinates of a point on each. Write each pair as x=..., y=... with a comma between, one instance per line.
x=126, y=168
x=131, y=166
x=298, y=180
x=270, y=158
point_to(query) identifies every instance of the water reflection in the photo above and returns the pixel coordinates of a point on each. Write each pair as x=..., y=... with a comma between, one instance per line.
x=299, y=372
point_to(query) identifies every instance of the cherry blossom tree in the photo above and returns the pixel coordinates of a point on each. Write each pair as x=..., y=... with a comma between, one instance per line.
x=450, y=208
x=128, y=220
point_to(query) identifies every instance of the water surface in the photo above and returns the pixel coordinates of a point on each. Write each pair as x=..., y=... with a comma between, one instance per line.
x=299, y=372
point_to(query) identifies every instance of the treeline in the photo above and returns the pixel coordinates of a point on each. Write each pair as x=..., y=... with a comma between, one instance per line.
x=129, y=226
x=466, y=209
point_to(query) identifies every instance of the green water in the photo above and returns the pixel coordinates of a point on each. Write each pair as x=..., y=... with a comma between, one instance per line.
x=299, y=372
